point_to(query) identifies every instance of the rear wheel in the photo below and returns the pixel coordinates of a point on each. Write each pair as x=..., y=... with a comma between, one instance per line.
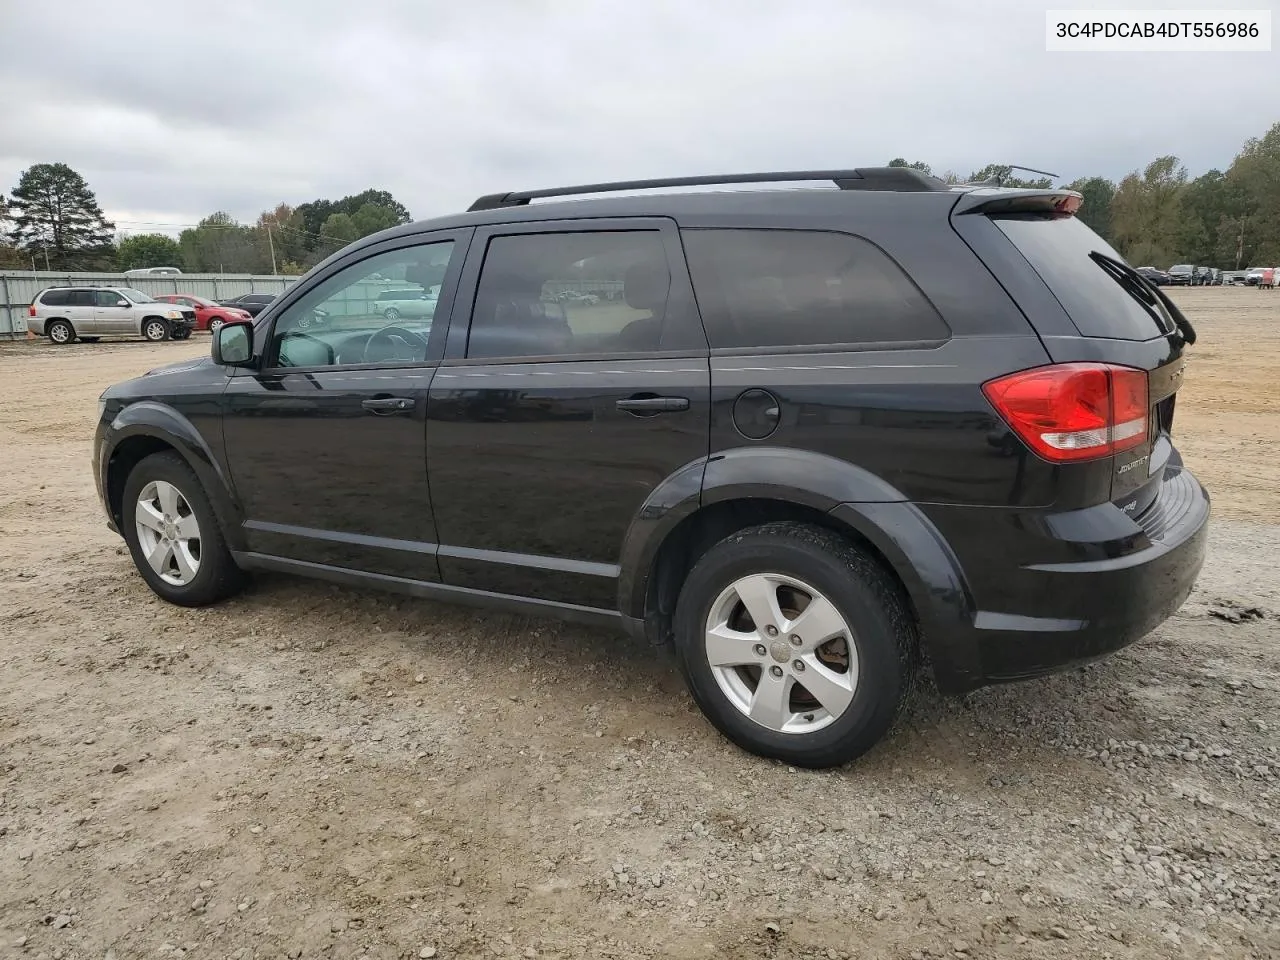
x=794, y=643
x=155, y=330
x=391, y=314
x=173, y=534
x=60, y=332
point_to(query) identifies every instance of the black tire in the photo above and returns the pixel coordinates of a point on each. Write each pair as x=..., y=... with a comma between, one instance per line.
x=864, y=594
x=155, y=330
x=60, y=332
x=391, y=314
x=214, y=324
x=218, y=577
x=181, y=334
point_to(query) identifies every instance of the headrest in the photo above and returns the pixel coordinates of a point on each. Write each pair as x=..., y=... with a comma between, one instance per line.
x=645, y=285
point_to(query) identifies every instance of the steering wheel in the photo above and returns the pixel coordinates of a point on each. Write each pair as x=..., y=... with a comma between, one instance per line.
x=406, y=338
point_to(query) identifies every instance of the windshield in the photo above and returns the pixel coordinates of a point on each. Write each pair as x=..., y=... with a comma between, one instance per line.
x=1180, y=268
x=1073, y=262
x=137, y=296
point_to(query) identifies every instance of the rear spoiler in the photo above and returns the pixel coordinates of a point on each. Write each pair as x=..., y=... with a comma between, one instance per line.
x=1063, y=202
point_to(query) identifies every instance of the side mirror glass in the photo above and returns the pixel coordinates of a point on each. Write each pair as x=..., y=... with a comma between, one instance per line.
x=233, y=345
x=122, y=303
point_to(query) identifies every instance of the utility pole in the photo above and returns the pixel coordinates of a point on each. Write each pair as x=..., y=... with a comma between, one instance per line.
x=1240, y=244
x=272, y=244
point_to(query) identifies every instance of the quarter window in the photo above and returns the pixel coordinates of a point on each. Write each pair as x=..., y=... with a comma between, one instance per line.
x=770, y=288
x=345, y=320
x=55, y=298
x=564, y=294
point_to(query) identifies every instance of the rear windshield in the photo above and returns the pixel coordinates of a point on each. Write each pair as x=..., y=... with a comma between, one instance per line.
x=1058, y=248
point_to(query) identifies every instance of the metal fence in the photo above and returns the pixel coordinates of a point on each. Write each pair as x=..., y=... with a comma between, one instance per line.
x=19, y=289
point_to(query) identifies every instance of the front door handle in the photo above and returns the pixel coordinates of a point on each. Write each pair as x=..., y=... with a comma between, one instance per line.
x=388, y=405
x=642, y=405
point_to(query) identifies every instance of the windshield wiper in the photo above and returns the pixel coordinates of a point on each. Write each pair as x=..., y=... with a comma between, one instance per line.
x=1152, y=298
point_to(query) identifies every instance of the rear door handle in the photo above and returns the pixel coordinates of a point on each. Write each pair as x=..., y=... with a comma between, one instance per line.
x=388, y=405
x=643, y=405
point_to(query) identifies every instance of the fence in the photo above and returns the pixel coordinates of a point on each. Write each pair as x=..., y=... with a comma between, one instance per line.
x=17, y=290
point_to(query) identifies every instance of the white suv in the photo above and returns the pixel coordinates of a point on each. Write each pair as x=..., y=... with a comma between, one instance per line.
x=64, y=314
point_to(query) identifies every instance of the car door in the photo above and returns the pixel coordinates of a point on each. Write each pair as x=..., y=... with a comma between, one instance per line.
x=325, y=440
x=81, y=311
x=549, y=426
x=110, y=317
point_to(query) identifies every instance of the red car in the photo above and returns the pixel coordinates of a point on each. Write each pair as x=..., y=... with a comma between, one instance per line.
x=210, y=314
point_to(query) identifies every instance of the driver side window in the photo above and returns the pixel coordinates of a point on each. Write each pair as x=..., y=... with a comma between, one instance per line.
x=379, y=310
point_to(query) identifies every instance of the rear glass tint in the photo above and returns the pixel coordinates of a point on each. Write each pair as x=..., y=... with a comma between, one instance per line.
x=54, y=298
x=1058, y=248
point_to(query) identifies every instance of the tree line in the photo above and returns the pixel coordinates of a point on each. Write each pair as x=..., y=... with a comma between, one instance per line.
x=52, y=221
x=1155, y=216
x=1160, y=215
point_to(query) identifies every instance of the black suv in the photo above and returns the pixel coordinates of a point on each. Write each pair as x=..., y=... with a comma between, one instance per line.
x=821, y=437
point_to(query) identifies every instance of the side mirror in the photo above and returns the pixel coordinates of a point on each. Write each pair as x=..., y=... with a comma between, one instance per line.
x=122, y=303
x=233, y=344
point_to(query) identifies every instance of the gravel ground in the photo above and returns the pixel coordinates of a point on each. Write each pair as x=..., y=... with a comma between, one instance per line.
x=309, y=771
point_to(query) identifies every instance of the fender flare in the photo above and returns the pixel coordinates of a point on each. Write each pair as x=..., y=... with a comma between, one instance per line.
x=149, y=418
x=850, y=495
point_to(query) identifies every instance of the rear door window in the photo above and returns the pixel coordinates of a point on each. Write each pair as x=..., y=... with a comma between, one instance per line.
x=1058, y=248
x=82, y=298
x=790, y=288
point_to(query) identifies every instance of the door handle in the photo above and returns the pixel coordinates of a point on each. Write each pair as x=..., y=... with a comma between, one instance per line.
x=388, y=405
x=642, y=405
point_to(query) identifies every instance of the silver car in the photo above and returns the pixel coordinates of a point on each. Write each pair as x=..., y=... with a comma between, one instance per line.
x=65, y=314
x=416, y=304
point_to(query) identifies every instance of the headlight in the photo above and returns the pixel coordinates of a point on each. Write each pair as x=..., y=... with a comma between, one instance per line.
x=174, y=314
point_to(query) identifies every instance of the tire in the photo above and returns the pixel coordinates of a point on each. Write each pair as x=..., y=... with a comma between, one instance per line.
x=215, y=576
x=155, y=331
x=60, y=332
x=878, y=644
x=391, y=314
x=214, y=324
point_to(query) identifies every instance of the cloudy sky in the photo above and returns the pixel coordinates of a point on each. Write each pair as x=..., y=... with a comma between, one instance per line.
x=174, y=108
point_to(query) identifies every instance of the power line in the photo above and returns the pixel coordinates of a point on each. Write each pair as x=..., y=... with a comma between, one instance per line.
x=227, y=226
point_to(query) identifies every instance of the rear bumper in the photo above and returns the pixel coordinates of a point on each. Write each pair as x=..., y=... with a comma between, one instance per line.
x=1057, y=590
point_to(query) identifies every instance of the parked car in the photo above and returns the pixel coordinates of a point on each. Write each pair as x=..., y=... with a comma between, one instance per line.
x=1158, y=277
x=1181, y=274
x=1253, y=276
x=416, y=304
x=873, y=440
x=252, y=303
x=1233, y=278
x=65, y=314
x=210, y=314
x=153, y=272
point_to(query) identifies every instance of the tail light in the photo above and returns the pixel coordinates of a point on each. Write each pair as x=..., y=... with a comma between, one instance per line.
x=31, y=310
x=1074, y=411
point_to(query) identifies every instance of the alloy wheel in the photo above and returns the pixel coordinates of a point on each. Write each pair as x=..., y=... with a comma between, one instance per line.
x=168, y=533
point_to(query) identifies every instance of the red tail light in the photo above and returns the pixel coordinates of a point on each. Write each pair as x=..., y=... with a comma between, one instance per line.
x=31, y=310
x=1074, y=411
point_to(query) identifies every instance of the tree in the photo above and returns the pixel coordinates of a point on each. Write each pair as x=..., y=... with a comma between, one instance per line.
x=219, y=244
x=148, y=250
x=1095, y=210
x=914, y=165
x=315, y=214
x=340, y=227
x=1147, y=217
x=1004, y=174
x=55, y=216
x=1256, y=174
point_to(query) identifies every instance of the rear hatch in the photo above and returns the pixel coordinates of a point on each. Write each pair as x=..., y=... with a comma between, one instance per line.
x=1116, y=317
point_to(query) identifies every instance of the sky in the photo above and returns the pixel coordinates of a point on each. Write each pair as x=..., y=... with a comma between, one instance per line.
x=172, y=109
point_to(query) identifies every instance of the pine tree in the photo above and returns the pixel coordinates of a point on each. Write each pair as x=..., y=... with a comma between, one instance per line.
x=55, y=216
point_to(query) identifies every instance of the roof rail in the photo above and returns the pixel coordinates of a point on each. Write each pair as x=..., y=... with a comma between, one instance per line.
x=901, y=179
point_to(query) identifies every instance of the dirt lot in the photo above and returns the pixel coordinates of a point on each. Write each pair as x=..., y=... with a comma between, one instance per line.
x=310, y=771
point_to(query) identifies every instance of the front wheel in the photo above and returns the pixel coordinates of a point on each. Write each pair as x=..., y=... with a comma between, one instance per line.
x=795, y=644
x=214, y=325
x=155, y=331
x=173, y=534
x=391, y=314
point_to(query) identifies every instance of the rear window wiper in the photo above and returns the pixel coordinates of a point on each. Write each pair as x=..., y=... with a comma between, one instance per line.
x=1148, y=294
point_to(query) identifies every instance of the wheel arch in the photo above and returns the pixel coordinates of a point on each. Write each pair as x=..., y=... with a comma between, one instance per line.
x=753, y=486
x=144, y=428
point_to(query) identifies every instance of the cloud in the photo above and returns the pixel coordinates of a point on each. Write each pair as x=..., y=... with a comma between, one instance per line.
x=173, y=111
